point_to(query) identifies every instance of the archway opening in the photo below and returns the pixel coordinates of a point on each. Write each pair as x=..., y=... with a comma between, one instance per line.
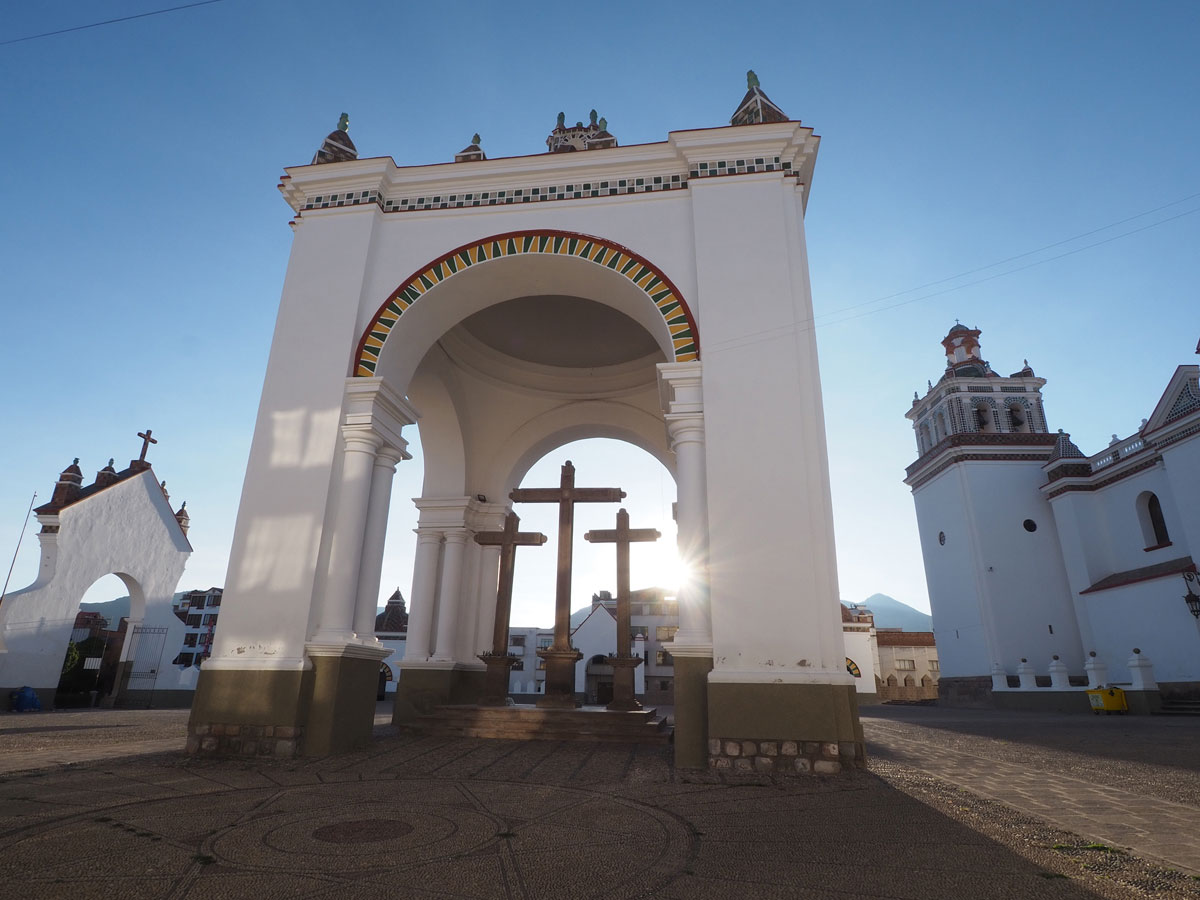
x=96, y=637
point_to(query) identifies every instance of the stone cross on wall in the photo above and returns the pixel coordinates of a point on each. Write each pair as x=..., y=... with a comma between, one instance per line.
x=560, y=658
x=624, y=662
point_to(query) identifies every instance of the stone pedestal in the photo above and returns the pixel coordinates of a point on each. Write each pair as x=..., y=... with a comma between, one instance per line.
x=624, y=699
x=691, y=710
x=342, y=712
x=495, y=680
x=560, y=679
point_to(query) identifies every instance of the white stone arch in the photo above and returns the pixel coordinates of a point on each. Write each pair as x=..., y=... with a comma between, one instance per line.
x=1028, y=425
x=126, y=529
x=991, y=412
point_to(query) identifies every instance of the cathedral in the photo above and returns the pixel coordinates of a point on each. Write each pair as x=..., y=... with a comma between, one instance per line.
x=1051, y=570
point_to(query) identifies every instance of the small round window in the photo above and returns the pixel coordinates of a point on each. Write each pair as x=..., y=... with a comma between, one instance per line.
x=1029, y=525
x=942, y=538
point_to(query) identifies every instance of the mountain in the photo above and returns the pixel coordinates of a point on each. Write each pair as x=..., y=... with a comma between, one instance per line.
x=891, y=613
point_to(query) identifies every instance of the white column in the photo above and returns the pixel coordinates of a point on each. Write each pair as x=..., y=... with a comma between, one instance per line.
x=424, y=587
x=371, y=566
x=336, y=621
x=489, y=575
x=452, y=573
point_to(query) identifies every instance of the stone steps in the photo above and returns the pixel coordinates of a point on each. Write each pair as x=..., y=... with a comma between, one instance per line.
x=528, y=723
x=1180, y=708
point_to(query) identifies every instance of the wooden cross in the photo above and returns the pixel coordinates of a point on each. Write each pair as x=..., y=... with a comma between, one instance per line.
x=566, y=495
x=146, y=442
x=507, y=540
x=623, y=536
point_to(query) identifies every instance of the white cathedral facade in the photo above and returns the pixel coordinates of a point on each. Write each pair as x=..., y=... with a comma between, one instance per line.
x=1049, y=570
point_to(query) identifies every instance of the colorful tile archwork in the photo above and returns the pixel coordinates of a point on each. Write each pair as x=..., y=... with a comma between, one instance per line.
x=596, y=187
x=594, y=250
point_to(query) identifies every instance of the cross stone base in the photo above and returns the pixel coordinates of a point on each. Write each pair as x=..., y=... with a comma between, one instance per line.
x=560, y=678
x=495, y=680
x=623, y=686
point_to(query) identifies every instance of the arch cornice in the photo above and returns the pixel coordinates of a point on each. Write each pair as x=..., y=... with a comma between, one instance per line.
x=658, y=288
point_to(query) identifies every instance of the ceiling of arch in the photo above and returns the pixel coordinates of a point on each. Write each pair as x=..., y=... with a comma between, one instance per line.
x=554, y=330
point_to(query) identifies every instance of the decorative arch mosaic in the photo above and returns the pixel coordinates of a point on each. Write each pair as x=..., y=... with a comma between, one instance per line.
x=643, y=274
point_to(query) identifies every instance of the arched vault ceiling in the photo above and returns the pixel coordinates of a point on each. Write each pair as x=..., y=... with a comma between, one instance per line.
x=569, y=332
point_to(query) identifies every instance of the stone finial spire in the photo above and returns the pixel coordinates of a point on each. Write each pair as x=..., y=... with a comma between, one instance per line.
x=182, y=517
x=756, y=107
x=472, y=152
x=337, y=146
x=107, y=475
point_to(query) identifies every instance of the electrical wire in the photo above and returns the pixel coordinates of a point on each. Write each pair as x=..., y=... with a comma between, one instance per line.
x=155, y=12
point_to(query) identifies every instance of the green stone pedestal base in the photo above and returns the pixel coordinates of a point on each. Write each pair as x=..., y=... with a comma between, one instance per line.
x=249, y=713
x=421, y=689
x=783, y=728
x=691, y=711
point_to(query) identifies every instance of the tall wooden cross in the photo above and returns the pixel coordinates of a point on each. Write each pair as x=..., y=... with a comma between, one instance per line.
x=566, y=495
x=624, y=662
x=559, y=658
x=507, y=540
x=146, y=442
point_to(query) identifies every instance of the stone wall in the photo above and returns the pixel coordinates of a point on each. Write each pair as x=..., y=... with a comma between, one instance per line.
x=740, y=757
x=966, y=691
x=279, y=741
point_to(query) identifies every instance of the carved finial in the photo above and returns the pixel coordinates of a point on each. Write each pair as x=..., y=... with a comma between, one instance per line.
x=110, y=461
x=183, y=507
x=751, y=80
x=475, y=138
x=76, y=462
x=603, y=124
x=592, y=118
x=163, y=485
x=1026, y=363
x=344, y=122
x=562, y=120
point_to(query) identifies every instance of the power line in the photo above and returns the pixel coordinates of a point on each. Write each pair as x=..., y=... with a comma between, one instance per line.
x=156, y=12
x=811, y=324
x=921, y=287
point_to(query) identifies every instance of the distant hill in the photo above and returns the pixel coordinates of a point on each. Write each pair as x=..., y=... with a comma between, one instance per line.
x=891, y=613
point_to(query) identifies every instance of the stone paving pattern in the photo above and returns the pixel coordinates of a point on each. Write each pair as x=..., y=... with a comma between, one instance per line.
x=1133, y=782
x=429, y=817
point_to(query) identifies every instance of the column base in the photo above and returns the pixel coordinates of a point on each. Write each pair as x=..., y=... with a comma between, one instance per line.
x=424, y=686
x=691, y=710
x=783, y=728
x=560, y=679
x=342, y=710
x=623, y=683
x=495, y=679
x=260, y=712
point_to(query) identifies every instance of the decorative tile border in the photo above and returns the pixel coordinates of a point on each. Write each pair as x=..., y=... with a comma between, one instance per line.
x=600, y=252
x=594, y=187
x=739, y=166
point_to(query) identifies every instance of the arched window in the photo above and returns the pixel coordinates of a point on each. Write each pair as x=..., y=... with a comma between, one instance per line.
x=1154, y=526
x=923, y=442
x=1018, y=418
x=891, y=681
x=939, y=426
x=909, y=682
x=984, y=422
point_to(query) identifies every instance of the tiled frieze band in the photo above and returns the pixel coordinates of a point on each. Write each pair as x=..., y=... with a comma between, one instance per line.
x=653, y=283
x=739, y=166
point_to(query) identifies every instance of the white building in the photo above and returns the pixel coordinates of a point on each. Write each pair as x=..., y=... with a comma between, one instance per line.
x=1049, y=569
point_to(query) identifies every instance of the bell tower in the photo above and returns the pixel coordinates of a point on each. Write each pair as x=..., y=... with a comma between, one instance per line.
x=990, y=547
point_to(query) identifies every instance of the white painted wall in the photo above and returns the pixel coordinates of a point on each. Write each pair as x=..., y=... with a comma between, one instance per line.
x=127, y=529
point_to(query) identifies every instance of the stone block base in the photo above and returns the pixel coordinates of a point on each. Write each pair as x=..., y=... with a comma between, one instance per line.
x=965, y=692
x=278, y=741
x=420, y=690
x=250, y=713
x=783, y=728
x=691, y=711
x=783, y=758
x=1042, y=700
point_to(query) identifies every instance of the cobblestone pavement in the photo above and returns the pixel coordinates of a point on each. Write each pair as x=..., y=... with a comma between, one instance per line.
x=425, y=817
x=1131, y=782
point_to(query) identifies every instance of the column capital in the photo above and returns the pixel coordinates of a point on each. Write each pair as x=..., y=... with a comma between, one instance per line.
x=457, y=535
x=361, y=439
x=680, y=388
x=390, y=456
x=370, y=403
x=685, y=428
x=427, y=535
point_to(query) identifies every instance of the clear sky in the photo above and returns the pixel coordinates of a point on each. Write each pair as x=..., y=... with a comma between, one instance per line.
x=143, y=244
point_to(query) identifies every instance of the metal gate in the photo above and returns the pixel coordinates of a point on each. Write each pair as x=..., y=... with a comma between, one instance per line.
x=145, y=657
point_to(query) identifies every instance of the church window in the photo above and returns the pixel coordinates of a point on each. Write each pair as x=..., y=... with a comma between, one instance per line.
x=1029, y=525
x=1154, y=526
x=906, y=665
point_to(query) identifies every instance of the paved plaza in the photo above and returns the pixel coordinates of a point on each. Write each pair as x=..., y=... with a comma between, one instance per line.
x=957, y=805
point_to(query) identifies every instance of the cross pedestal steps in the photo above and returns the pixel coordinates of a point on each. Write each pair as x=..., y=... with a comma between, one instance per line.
x=532, y=723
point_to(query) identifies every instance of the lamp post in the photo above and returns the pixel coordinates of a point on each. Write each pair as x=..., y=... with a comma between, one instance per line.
x=1191, y=598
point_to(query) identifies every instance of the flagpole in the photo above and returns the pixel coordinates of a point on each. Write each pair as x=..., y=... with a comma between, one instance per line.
x=24, y=525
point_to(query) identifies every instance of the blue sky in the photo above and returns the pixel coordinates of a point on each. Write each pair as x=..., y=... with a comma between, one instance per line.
x=144, y=242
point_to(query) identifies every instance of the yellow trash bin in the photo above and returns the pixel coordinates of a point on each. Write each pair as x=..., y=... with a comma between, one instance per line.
x=1107, y=700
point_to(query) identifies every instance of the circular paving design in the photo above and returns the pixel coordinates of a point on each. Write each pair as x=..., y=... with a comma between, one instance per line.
x=362, y=831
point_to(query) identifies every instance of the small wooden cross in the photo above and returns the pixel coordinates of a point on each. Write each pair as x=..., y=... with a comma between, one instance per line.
x=146, y=442
x=507, y=540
